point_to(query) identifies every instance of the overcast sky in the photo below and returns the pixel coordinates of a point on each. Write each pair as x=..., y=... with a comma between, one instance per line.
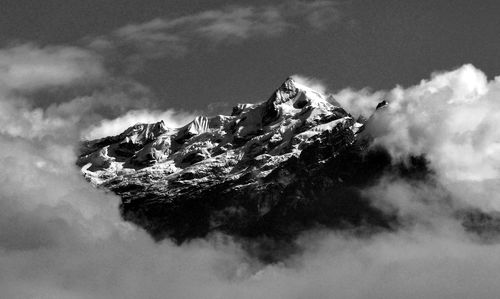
x=196, y=52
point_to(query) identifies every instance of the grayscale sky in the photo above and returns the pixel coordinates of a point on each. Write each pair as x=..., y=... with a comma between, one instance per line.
x=193, y=53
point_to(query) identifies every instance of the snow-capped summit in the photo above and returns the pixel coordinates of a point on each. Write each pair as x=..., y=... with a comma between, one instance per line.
x=266, y=172
x=266, y=168
x=291, y=97
x=290, y=88
x=269, y=132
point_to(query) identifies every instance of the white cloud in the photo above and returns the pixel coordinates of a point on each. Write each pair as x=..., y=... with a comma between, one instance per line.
x=106, y=127
x=28, y=67
x=359, y=102
x=452, y=118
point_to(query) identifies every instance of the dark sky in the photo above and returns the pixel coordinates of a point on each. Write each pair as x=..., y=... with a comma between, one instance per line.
x=374, y=43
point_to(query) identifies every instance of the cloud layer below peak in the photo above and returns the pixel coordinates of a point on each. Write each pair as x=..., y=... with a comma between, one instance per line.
x=62, y=238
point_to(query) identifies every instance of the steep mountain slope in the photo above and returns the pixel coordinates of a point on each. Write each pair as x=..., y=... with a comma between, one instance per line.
x=271, y=170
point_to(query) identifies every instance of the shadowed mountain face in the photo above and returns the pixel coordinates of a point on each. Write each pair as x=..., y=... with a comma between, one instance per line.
x=269, y=170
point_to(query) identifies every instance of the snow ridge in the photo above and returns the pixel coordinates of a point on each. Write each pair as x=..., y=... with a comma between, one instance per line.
x=256, y=138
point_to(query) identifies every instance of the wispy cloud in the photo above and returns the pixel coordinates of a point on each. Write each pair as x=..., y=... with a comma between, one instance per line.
x=107, y=127
x=53, y=91
x=29, y=67
x=165, y=36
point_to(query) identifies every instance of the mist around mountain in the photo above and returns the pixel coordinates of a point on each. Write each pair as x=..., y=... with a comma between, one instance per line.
x=64, y=238
x=264, y=174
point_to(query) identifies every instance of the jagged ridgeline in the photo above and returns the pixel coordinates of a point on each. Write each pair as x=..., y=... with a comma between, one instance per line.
x=272, y=169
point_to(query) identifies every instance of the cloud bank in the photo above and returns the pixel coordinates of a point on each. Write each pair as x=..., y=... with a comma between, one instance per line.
x=62, y=238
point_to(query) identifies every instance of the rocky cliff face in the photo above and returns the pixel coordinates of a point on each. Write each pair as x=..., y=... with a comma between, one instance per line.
x=269, y=170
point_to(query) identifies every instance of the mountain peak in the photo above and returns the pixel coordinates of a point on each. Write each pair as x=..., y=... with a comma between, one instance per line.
x=288, y=84
x=225, y=159
x=291, y=87
x=292, y=98
x=285, y=92
x=268, y=171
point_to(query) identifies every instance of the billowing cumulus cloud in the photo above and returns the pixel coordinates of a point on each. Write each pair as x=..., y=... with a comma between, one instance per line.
x=452, y=119
x=62, y=238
